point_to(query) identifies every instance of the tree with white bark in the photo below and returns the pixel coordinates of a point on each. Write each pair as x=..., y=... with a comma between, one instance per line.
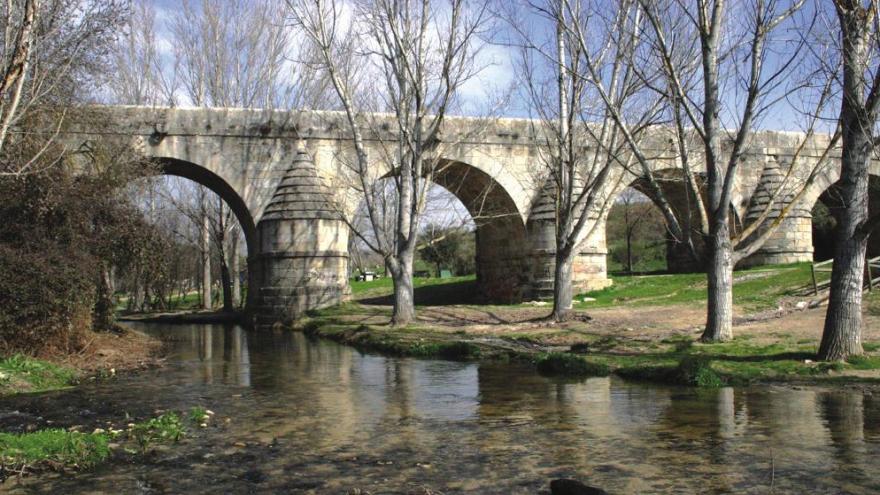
x=857, y=41
x=713, y=78
x=586, y=152
x=410, y=59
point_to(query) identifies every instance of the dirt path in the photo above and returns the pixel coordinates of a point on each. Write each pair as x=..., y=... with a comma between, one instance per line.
x=642, y=323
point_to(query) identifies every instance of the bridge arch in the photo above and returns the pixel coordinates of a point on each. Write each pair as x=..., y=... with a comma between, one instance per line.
x=501, y=238
x=825, y=208
x=201, y=175
x=671, y=181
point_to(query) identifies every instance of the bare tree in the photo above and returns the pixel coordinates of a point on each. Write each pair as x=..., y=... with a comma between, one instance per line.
x=419, y=55
x=715, y=81
x=51, y=57
x=586, y=152
x=859, y=46
x=138, y=75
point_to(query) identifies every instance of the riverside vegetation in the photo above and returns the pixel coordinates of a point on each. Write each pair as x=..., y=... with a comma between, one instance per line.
x=777, y=339
x=69, y=449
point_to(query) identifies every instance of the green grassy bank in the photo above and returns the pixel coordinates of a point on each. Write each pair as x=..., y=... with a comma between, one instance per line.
x=62, y=449
x=25, y=374
x=676, y=360
x=579, y=348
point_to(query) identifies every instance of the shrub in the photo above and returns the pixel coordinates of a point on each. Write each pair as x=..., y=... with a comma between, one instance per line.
x=558, y=363
x=459, y=351
x=165, y=428
x=47, y=296
x=697, y=371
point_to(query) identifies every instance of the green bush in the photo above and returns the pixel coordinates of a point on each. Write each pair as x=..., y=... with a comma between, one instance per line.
x=162, y=429
x=697, y=371
x=558, y=363
x=459, y=351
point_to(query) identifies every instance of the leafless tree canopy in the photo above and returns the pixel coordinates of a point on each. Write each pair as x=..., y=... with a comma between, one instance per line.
x=411, y=58
x=53, y=56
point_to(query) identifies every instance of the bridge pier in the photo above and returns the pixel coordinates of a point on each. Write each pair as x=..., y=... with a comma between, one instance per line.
x=590, y=265
x=302, y=261
x=792, y=241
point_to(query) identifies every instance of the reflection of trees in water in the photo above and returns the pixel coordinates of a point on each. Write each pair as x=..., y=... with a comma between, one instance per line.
x=843, y=415
x=792, y=432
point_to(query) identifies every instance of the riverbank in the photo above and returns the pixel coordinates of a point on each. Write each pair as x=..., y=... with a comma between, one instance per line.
x=104, y=354
x=70, y=449
x=299, y=415
x=653, y=343
x=185, y=316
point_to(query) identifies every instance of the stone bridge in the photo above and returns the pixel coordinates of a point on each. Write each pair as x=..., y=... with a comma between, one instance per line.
x=278, y=171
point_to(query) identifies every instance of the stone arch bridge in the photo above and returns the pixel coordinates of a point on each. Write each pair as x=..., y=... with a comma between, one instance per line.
x=278, y=171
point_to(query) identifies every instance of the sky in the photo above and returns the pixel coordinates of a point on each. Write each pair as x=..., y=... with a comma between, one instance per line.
x=499, y=74
x=480, y=95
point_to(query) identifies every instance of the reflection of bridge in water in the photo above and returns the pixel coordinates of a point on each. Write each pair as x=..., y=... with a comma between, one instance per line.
x=280, y=173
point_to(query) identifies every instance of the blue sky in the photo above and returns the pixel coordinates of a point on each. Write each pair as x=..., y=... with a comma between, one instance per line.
x=500, y=63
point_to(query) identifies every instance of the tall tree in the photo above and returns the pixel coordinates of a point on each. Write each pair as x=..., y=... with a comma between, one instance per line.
x=587, y=154
x=715, y=80
x=859, y=45
x=52, y=56
x=418, y=55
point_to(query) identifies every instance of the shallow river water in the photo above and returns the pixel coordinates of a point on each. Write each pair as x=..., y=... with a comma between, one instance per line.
x=315, y=417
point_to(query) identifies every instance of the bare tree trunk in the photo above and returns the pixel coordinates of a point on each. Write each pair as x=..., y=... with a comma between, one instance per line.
x=205, y=248
x=842, y=335
x=562, y=286
x=719, y=318
x=843, y=320
x=235, y=268
x=404, y=310
x=629, y=253
x=103, y=319
x=226, y=282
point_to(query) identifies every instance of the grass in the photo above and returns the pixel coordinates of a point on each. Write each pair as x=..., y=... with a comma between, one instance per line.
x=410, y=341
x=754, y=289
x=385, y=285
x=65, y=449
x=20, y=373
x=677, y=359
x=52, y=448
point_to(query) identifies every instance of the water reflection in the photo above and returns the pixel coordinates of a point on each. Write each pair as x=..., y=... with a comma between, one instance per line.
x=322, y=418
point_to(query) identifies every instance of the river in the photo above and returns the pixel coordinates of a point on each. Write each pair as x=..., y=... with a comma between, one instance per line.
x=293, y=415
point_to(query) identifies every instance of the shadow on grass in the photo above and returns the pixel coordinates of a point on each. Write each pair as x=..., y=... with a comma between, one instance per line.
x=781, y=356
x=677, y=355
x=435, y=295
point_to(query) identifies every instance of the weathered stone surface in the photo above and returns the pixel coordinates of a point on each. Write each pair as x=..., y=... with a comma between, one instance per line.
x=303, y=247
x=253, y=159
